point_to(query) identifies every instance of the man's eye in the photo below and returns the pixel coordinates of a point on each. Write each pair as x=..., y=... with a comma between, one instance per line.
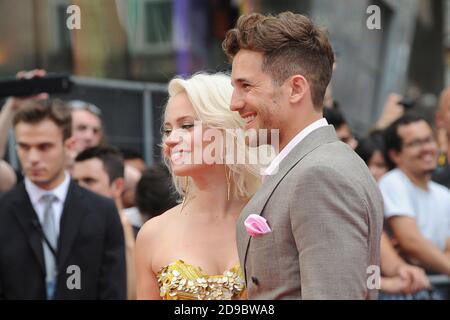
x=44, y=147
x=89, y=181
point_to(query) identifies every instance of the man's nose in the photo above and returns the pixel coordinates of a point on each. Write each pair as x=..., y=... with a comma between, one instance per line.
x=33, y=155
x=429, y=146
x=83, y=184
x=89, y=134
x=237, y=103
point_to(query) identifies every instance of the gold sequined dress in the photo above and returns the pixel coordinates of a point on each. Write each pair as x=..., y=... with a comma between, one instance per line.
x=182, y=281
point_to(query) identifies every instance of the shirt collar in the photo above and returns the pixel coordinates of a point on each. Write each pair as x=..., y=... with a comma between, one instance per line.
x=273, y=167
x=60, y=192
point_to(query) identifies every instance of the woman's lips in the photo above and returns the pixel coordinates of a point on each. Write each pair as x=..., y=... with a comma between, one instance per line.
x=178, y=155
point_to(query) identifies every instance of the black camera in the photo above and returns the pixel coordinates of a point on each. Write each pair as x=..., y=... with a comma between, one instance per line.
x=50, y=83
x=407, y=103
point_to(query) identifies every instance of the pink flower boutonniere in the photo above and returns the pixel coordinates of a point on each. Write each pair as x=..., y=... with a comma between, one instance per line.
x=256, y=225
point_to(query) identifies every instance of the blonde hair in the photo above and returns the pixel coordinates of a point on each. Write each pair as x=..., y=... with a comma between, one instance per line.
x=210, y=96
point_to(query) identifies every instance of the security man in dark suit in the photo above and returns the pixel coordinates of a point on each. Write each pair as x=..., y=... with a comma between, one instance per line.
x=57, y=240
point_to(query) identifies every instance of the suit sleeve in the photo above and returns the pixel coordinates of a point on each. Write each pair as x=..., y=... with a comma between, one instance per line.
x=2, y=295
x=113, y=271
x=329, y=223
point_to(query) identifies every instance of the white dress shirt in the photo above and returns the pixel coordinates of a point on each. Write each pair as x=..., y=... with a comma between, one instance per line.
x=60, y=192
x=273, y=167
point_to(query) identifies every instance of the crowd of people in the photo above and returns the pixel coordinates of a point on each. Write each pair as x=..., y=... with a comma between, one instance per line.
x=329, y=206
x=62, y=147
x=408, y=157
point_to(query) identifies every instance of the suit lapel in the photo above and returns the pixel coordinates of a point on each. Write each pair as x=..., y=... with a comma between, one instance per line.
x=258, y=202
x=29, y=222
x=71, y=218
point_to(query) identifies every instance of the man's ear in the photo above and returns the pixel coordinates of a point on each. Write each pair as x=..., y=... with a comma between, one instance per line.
x=299, y=86
x=69, y=144
x=118, y=186
x=439, y=119
x=394, y=155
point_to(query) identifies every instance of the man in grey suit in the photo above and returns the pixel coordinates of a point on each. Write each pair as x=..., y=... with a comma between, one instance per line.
x=322, y=205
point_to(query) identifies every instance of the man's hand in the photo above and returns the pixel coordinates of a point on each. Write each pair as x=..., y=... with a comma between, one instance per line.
x=392, y=111
x=409, y=279
x=14, y=103
x=415, y=277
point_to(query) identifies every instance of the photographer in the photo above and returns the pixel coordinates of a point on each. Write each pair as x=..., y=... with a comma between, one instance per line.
x=392, y=110
x=12, y=105
x=7, y=175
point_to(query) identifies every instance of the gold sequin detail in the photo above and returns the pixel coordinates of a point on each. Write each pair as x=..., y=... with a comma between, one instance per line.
x=182, y=281
x=442, y=159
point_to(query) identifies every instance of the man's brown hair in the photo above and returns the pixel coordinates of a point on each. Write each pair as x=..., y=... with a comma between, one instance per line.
x=55, y=110
x=290, y=43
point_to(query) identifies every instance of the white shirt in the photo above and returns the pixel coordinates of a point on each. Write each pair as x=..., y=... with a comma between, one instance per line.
x=134, y=216
x=273, y=167
x=60, y=192
x=430, y=208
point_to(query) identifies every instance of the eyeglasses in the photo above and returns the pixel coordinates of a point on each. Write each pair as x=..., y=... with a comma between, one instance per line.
x=420, y=142
x=83, y=105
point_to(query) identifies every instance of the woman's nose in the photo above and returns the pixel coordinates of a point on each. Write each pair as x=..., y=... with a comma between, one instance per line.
x=174, y=137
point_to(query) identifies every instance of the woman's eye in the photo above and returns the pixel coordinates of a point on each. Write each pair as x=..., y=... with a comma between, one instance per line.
x=187, y=126
x=166, y=132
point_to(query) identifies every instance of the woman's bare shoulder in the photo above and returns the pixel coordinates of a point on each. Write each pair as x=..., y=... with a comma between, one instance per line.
x=153, y=227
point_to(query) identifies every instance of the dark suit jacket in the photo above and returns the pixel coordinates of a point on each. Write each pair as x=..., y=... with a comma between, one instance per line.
x=91, y=237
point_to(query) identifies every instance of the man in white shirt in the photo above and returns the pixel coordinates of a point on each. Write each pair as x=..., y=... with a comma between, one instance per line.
x=417, y=209
x=318, y=198
x=57, y=240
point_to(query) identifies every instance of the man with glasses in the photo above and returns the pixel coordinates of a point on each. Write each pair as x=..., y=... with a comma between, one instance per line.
x=86, y=125
x=442, y=119
x=87, y=128
x=417, y=209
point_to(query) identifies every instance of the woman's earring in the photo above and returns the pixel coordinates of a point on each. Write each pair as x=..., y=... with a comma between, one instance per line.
x=185, y=190
x=228, y=177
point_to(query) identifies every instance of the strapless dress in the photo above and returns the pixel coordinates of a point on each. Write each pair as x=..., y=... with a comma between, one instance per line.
x=183, y=281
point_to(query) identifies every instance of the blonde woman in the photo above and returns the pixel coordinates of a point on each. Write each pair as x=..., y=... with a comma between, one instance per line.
x=189, y=252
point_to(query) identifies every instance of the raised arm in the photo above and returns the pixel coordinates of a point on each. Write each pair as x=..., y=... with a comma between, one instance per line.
x=10, y=107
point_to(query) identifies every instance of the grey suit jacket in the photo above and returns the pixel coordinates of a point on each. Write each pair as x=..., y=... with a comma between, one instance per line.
x=325, y=212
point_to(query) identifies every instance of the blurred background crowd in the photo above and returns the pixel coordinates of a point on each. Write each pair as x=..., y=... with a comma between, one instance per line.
x=389, y=99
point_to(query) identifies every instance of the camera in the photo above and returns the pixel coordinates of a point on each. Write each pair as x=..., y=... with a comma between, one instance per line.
x=407, y=103
x=50, y=83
